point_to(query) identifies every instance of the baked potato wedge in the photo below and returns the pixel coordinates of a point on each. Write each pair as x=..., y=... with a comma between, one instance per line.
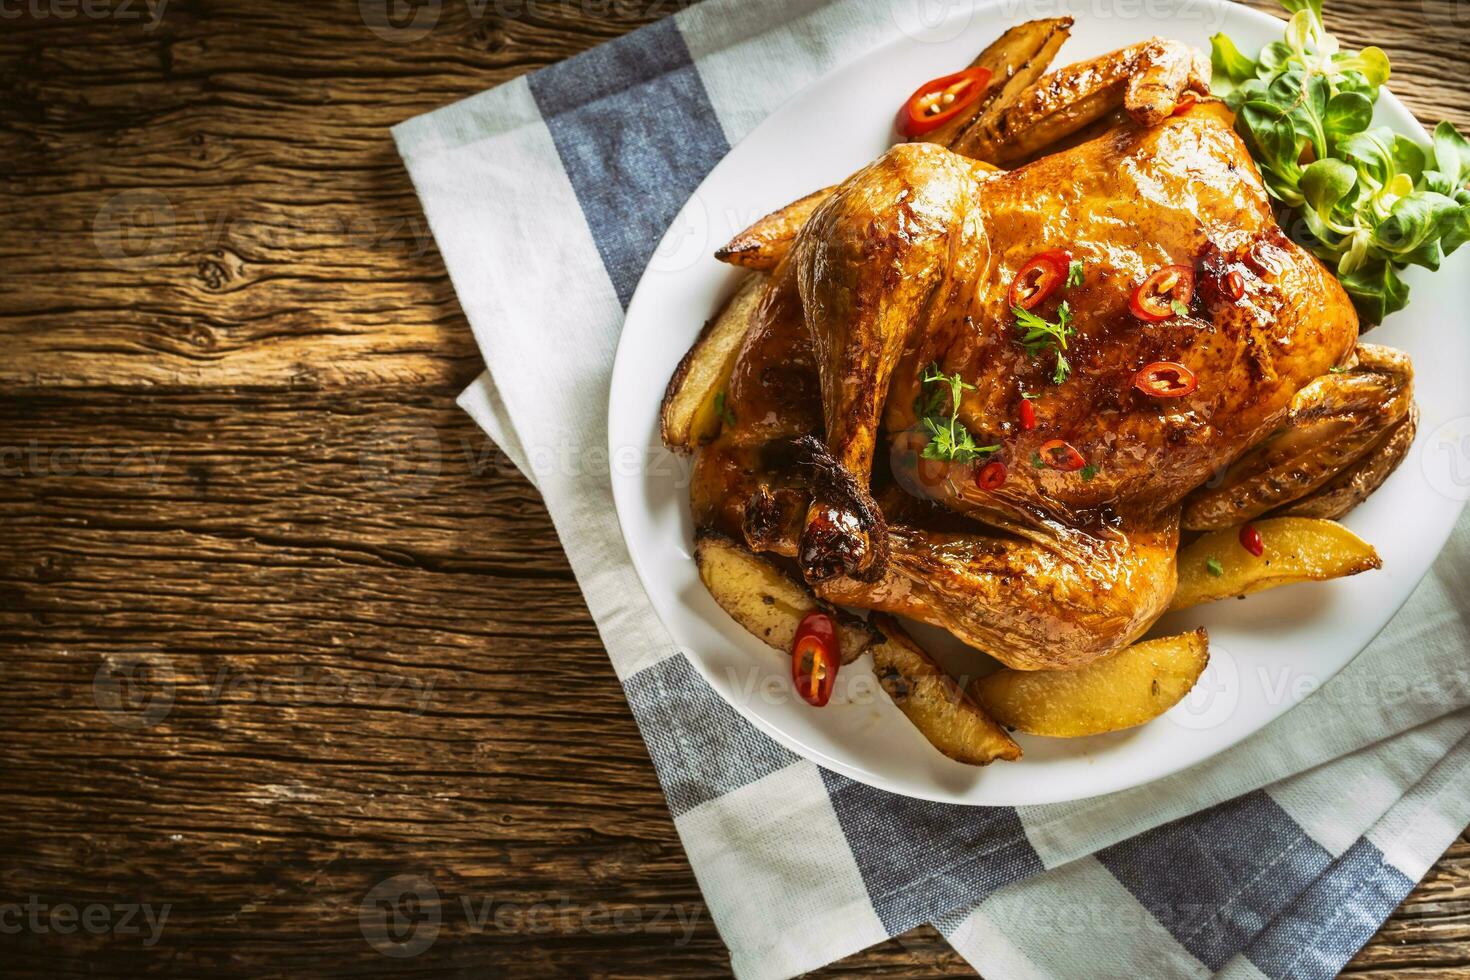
x=1017, y=59
x=934, y=702
x=691, y=413
x=1146, y=79
x=765, y=600
x=1133, y=686
x=1330, y=448
x=1297, y=549
x=764, y=244
x=1352, y=486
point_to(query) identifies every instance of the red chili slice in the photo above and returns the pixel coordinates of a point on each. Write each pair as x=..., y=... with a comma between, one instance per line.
x=1028, y=415
x=992, y=476
x=941, y=99
x=1235, y=286
x=1166, y=379
x=815, y=657
x=1062, y=456
x=1154, y=300
x=1187, y=101
x=1250, y=540
x=1040, y=277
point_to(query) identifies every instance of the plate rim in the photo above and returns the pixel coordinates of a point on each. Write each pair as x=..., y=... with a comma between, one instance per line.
x=620, y=483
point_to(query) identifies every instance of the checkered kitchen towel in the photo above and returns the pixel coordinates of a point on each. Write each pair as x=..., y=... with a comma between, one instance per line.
x=1281, y=857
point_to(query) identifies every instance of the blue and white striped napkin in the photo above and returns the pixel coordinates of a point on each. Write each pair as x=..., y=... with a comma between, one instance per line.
x=1279, y=858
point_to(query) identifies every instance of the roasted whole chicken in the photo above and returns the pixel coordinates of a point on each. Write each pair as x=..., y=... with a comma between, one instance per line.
x=993, y=399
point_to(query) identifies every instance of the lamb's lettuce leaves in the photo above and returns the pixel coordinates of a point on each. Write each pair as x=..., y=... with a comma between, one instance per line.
x=1368, y=201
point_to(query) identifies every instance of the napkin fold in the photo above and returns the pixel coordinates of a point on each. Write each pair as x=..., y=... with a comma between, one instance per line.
x=1280, y=858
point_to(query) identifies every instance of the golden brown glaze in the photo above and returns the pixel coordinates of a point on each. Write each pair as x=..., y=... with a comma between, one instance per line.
x=1343, y=435
x=890, y=248
x=1182, y=193
x=1145, y=79
x=1037, y=607
x=910, y=262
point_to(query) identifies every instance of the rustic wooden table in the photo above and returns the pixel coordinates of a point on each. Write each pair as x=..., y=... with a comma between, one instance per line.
x=280, y=624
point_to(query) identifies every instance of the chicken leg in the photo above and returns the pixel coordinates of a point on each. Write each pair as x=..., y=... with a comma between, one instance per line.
x=869, y=266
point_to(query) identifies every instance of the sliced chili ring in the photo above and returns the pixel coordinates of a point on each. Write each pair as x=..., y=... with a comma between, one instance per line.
x=1028, y=415
x=1060, y=455
x=815, y=657
x=1250, y=540
x=1166, y=379
x=1235, y=286
x=939, y=100
x=1154, y=300
x=992, y=476
x=1040, y=277
x=1186, y=102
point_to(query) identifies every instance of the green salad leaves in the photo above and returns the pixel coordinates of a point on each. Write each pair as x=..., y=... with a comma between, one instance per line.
x=949, y=440
x=1367, y=201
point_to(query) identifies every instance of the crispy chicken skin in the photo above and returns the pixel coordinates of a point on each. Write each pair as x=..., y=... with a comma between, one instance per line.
x=909, y=263
x=1125, y=205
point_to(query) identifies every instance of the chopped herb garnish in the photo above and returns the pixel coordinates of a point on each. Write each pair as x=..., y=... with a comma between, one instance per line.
x=948, y=438
x=1337, y=369
x=1037, y=461
x=1088, y=472
x=1179, y=308
x=1214, y=567
x=1038, y=335
x=1074, y=274
x=722, y=410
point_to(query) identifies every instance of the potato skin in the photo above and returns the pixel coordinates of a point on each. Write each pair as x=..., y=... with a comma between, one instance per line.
x=763, y=599
x=1131, y=687
x=1297, y=549
x=764, y=244
x=688, y=416
x=952, y=721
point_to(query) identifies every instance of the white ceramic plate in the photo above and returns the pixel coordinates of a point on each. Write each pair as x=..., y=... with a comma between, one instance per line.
x=1267, y=652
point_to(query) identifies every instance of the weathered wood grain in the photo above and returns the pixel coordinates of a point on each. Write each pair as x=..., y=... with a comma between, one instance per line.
x=277, y=623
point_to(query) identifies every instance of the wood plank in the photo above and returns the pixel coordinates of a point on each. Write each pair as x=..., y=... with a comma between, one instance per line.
x=249, y=221
x=367, y=671
x=232, y=466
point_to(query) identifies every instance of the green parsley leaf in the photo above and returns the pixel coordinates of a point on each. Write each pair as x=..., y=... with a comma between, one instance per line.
x=1075, y=274
x=1037, y=461
x=1088, y=472
x=1214, y=567
x=949, y=440
x=1179, y=308
x=1039, y=335
x=723, y=410
x=1337, y=369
